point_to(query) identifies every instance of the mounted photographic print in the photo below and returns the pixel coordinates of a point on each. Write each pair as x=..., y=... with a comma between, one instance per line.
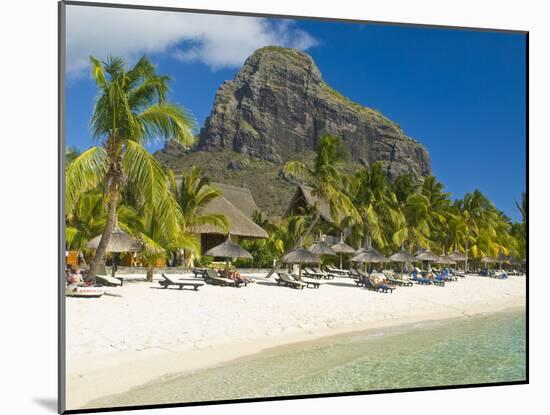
x=261, y=207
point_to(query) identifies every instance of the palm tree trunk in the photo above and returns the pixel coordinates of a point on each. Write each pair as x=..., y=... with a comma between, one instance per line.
x=467, y=244
x=308, y=231
x=150, y=273
x=109, y=226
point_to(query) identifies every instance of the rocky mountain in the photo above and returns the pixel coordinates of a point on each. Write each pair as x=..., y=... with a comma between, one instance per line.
x=276, y=109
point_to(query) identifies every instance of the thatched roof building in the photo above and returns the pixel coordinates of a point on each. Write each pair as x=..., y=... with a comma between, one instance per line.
x=304, y=197
x=238, y=205
x=240, y=197
x=241, y=224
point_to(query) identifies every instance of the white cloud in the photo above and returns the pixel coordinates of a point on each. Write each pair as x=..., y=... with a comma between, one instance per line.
x=217, y=41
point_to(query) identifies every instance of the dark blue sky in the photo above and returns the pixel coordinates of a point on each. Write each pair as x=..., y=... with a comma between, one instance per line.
x=460, y=93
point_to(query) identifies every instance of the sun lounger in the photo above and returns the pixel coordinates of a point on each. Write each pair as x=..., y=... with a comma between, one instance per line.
x=180, y=283
x=108, y=280
x=198, y=272
x=308, y=281
x=337, y=271
x=288, y=281
x=421, y=280
x=379, y=287
x=104, y=279
x=312, y=274
x=501, y=276
x=212, y=277
x=399, y=282
x=326, y=275
x=439, y=281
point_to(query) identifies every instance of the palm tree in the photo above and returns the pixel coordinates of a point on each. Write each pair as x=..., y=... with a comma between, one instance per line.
x=523, y=207
x=326, y=177
x=194, y=192
x=404, y=186
x=87, y=220
x=130, y=109
x=439, y=207
x=377, y=205
x=416, y=229
x=475, y=208
x=71, y=153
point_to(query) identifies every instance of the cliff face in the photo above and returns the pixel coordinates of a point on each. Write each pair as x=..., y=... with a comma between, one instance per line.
x=278, y=105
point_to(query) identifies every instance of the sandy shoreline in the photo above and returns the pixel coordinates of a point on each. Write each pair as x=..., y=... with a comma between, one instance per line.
x=140, y=333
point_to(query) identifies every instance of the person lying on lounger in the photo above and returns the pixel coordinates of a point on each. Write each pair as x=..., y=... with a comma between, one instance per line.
x=236, y=276
x=381, y=282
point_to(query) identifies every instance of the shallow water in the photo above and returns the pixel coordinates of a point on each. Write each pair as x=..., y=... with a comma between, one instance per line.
x=481, y=349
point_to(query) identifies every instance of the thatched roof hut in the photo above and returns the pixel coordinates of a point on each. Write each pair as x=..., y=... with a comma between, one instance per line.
x=238, y=205
x=240, y=224
x=240, y=197
x=304, y=197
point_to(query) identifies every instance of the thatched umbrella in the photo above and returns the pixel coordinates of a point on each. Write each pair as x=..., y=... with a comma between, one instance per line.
x=502, y=259
x=321, y=248
x=119, y=241
x=301, y=256
x=369, y=256
x=457, y=255
x=342, y=248
x=428, y=256
x=488, y=260
x=228, y=249
x=514, y=261
x=403, y=256
x=445, y=260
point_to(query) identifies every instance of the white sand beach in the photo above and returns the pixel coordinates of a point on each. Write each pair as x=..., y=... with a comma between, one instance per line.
x=140, y=332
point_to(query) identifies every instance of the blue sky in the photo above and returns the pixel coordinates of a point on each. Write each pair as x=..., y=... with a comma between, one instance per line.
x=460, y=93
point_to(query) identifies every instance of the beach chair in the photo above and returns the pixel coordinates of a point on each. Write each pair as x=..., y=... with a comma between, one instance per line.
x=501, y=276
x=445, y=276
x=180, y=283
x=337, y=271
x=438, y=280
x=198, y=272
x=315, y=283
x=288, y=281
x=212, y=277
x=357, y=277
x=323, y=274
x=311, y=273
x=419, y=279
x=378, y=287
x=103, y=278
x=397, y=281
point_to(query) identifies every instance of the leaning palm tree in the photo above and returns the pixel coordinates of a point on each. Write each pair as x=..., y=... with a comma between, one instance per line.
x=130, y=110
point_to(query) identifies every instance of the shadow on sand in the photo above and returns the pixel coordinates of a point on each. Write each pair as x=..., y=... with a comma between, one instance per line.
x=48, y=403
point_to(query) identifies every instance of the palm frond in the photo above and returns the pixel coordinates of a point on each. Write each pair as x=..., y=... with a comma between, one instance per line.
x=84, y=173
x=167, y=120
x=300, y=171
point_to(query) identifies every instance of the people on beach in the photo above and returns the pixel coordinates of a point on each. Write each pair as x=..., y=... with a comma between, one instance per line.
x=73, y=276
x=235, y=276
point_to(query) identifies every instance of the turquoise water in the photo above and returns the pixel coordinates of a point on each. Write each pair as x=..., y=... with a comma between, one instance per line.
x=471, y=350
